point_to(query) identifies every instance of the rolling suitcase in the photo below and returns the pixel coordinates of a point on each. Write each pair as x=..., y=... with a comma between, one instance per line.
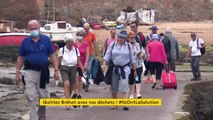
x=169, y=79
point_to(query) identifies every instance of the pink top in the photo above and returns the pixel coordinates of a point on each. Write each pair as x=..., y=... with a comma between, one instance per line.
x=107, y=42
x=156, y=51
x=82, y=50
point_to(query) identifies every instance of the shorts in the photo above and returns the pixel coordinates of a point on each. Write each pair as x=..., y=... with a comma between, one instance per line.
x=68, y=73
x=131, y=76
x=156, y=68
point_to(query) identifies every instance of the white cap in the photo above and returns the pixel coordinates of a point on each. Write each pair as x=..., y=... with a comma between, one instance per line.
x=69, y=37
x=155, y=37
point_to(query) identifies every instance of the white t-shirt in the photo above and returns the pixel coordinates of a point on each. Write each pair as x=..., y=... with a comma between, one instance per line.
x=69, y=57
x=193, y=45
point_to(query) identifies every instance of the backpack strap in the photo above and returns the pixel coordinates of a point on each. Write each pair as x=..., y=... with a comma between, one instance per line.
x=63, y=51
x=76, y=52
x=198, y=42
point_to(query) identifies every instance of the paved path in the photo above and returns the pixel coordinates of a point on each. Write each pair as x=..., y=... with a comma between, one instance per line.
x=170, y=99
x=171, y=103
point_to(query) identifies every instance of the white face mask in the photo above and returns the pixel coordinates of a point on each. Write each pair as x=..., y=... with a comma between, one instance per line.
x=80, y=38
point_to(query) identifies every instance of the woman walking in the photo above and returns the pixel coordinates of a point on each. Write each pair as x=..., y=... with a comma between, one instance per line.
x=138, y=55
x=84, y=56
x=68, y=58
x=157, y=59
x=119, y=54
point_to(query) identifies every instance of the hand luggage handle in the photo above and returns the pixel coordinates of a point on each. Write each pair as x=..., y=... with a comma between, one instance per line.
x=167, y=67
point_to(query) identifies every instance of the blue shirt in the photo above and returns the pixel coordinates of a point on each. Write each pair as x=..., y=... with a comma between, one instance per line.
x=120, y=56
x=36, y=53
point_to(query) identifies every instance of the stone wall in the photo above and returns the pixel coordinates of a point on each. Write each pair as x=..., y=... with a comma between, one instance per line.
x=21, y=11
x=166, y=10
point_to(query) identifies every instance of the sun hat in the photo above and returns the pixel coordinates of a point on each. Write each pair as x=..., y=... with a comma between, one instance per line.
x=69, y=37
x=122, y=34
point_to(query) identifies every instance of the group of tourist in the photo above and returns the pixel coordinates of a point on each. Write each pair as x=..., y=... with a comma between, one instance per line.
x=129, y=53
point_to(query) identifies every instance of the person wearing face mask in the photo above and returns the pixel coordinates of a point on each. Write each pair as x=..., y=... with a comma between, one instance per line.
x=84, y=57
x=93, y=51
x=34, y=53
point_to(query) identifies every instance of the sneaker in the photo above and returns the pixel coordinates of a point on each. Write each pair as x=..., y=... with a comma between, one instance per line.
x=74, y=96
x=42, y=118
x=79, y=97
x=139, y=96
x=199, y=79
x=131, y=96
x=147, y=80
x=125, y=108
x=193, y=79
x=154, y=85
x=86, y=88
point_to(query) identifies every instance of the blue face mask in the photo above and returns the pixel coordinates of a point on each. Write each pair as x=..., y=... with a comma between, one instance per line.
x=79, y=37
x=34, y=33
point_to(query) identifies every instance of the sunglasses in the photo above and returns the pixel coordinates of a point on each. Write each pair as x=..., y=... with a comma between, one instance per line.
x=79, y=35
x=132, y=26
x=132, y=37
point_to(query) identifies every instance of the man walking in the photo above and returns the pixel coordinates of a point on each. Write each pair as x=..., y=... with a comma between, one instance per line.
x=93, y=50
x=171, y=48
x=139, y=37
x=34, y=53
x=194, y=49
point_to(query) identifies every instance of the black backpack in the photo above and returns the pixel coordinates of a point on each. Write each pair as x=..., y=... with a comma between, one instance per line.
x=203, y=49
x=167, y=46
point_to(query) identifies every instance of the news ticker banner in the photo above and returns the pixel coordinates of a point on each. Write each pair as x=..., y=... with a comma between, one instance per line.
x=100, y=102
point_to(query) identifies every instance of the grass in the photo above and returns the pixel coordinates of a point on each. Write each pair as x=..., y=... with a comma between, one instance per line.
x=188, y=67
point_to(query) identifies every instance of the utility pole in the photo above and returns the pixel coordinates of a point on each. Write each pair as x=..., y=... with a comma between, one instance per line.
x=53, y=3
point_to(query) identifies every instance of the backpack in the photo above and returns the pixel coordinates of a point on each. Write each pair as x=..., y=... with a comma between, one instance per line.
x=96, y=72
x=140, y=39
x=203, y=49
x=167, y=46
